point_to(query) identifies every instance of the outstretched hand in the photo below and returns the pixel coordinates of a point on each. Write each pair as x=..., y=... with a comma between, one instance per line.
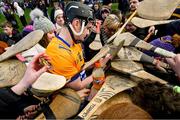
x=83, y=93
x=175, y=64
x=104, y=60
x=33, y=71
x=151, y=30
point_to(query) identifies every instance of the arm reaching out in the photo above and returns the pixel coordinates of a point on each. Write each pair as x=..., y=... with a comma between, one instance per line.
x=33, y=71
x=175, y=64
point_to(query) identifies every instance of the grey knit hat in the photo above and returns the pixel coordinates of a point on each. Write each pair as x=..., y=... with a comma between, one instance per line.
x=40, y=21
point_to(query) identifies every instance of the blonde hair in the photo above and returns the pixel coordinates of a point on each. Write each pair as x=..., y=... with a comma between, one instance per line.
x=112, y=23
x=176, y=40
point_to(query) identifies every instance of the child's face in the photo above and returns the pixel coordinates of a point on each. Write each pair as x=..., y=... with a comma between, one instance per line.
x=56, y=5
x=60, y=20
x=130, y=27
x=50, y=35
x=104, y=14
x=8, y=30
x=96, y=7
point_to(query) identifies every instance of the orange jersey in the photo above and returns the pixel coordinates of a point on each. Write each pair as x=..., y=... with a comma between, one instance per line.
x=66, y=60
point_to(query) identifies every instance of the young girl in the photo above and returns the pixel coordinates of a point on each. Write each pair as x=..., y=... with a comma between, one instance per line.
x=43, y=23
x=40, y=22
x=59, y=19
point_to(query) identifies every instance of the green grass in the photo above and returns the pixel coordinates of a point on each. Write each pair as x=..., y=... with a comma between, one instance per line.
x=17, y=18
x=114, y=6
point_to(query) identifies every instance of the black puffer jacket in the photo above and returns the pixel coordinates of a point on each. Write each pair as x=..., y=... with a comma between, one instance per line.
x=12, y=105
x=16, y=36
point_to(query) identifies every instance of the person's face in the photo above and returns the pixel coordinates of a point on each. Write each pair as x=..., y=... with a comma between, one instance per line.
x=86, y=31
x=130, y=27
x=60, y=20
x=56, y=5
x=96, y=7
x=50, y=35
x=8, y=30
x=134, y=4
x=104, y=14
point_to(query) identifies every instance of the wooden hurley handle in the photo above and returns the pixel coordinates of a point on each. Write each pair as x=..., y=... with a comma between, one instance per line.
x=148, y=36
x=165, y=53
x=134, y=70
x=131, y=40
x=143, y=23
x=25, y=43
x=122, y=28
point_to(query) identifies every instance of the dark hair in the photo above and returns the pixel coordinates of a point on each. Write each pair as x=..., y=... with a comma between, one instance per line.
x=96, y=3
x=105, y=9
x=159, y=100
x=44, y=41
x=7, y=24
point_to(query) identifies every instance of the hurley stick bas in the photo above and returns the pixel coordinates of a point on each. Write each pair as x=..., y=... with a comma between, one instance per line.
x=11, y=72
x=96, y=44
x=134, y=70
x=131, y=40
x=131, y=53
x=113, y=84
x=25, y=43
x=47, y=83
x=157, y=9
x=119, y=98
x=143, y=23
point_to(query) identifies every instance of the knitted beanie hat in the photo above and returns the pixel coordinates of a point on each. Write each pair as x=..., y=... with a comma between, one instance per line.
x=40, y=21
x=105, y=9
x=57, y=12
x=15, y=4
